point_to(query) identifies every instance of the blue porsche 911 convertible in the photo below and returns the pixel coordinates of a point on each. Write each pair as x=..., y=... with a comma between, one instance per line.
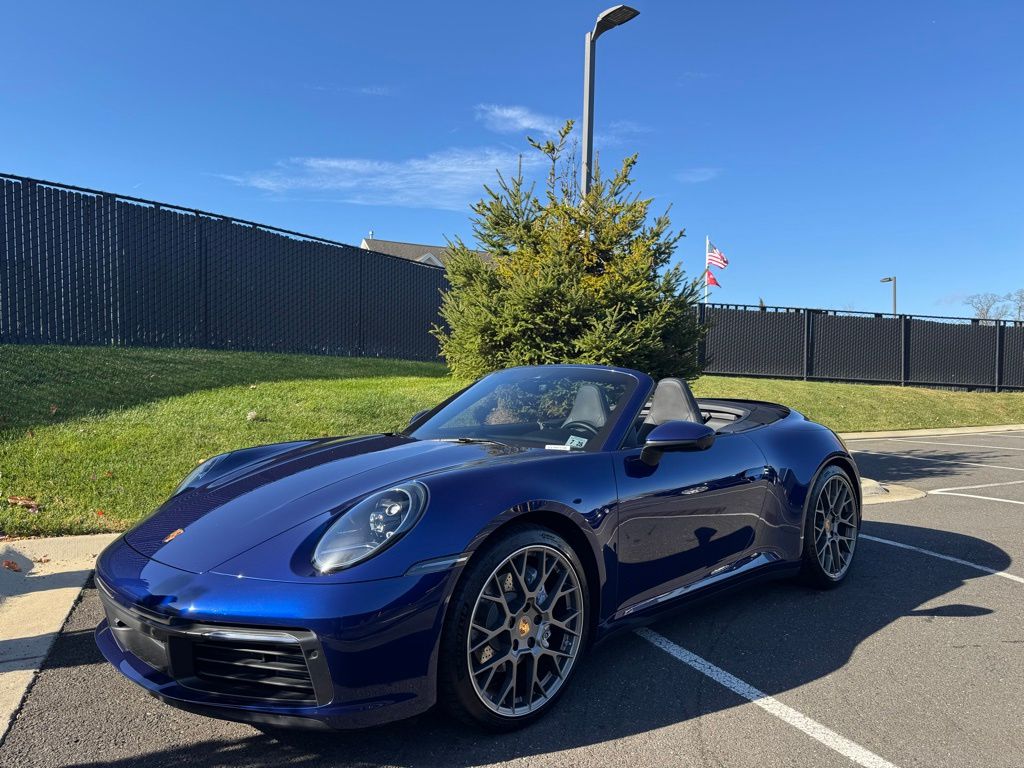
x=472, y=558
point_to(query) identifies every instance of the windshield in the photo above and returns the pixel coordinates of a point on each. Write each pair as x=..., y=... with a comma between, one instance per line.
x=557, y=407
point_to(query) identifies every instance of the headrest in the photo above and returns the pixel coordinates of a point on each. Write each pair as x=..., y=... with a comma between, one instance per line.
x=589, y=407
x=673, y=401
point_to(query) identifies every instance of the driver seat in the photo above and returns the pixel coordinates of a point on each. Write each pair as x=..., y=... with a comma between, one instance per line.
x=589, y=407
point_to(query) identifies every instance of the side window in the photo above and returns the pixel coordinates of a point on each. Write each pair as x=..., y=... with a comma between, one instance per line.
x=638, y=431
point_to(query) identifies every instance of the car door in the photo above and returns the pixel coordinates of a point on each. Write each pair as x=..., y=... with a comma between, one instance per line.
x=686, y=517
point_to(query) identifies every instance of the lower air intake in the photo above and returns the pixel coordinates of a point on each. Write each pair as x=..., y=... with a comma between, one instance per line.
x=267, y=671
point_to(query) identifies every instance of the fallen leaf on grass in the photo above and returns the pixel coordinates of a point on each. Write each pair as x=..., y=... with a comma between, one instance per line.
x=24, y=501
x=100, y=512
x=53, y=408
x=251, y=416
x=10, y=565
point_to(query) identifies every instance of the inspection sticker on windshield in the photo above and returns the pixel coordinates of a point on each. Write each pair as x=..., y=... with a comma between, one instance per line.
x=576, y=442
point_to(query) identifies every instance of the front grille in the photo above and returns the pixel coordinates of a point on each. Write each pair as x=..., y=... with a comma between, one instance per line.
x=268, y=671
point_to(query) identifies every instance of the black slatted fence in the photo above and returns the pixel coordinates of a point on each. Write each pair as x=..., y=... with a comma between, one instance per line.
x=85, y=267
x=79, y=266
x=818, y=344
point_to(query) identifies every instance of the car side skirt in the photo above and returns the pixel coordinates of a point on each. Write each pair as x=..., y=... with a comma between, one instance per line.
x=762, y=566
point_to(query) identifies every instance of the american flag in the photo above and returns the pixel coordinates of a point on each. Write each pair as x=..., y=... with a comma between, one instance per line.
x=715, y=258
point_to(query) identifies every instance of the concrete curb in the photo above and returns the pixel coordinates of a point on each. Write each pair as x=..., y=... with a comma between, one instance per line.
x=34, y=603
x=932, y=432
x=874, y=492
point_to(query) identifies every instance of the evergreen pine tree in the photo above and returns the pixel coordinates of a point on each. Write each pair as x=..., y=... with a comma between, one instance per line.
x=571, y=278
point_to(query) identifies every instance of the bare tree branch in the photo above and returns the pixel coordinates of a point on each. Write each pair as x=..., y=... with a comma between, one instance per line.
x=1016, y=299
x=988, y=306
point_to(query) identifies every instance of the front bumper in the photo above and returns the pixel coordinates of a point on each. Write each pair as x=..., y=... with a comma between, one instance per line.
x=337, y=655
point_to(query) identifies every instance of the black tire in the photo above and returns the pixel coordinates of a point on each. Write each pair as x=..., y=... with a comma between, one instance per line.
x=836, y=531
x=462, y=693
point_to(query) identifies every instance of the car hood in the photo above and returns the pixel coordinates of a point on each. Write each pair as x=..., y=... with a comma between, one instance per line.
x=201, y=528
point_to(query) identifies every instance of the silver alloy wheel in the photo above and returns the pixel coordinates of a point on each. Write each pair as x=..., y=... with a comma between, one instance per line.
x=525, y=631
x=835, y=526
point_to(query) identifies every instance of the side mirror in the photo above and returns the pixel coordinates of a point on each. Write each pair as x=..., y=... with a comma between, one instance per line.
x=417, y=416
x=676, y=436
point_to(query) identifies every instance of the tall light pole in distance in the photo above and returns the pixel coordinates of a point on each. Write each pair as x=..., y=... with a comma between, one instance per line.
x=891, y=279
x=607, y=19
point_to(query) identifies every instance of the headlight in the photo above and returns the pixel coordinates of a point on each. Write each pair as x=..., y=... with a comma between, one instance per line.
x=371, y=525
x=196, y=476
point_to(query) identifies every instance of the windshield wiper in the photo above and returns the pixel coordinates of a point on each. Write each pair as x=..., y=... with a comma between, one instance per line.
x=474, y=440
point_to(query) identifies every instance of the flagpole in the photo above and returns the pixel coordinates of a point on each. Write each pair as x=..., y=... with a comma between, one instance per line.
x=707, y=245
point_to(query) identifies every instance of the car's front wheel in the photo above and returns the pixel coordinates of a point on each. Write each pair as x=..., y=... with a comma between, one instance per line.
x=516, y=628
x=831, y=528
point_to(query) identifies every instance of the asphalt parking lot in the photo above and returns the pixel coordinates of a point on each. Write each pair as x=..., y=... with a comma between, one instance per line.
x=918, y=660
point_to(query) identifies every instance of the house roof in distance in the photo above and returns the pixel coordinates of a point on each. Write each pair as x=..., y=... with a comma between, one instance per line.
x=424, y=254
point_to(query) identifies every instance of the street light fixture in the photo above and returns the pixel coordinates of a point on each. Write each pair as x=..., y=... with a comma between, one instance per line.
x=891, y=279
x=607, y=19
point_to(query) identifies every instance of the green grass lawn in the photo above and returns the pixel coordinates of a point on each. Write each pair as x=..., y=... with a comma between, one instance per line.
x=99, y=436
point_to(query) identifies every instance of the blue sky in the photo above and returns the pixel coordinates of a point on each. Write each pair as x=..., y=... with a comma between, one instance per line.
x=821, y=145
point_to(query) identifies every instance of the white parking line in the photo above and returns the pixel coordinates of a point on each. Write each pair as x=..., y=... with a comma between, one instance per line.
x=955, y=492
x=981, y=485
x=958, y=445
x=812, y=728
x=957, y=560
x=940, y=461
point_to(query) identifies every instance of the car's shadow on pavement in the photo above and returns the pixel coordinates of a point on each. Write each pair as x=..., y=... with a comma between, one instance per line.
x=776, y=636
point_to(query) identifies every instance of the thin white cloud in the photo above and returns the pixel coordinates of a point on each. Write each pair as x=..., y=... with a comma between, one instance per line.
x=510, y=118
x=450, y=179
x=698, y=175
x=362, y=90
x=370, y=90
x=621, y=132
x=950, y=299
x=628, y=126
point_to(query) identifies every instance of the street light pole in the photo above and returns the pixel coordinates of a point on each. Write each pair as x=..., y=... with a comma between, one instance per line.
x=891, y=279
x=607, y=19
x=588, y=111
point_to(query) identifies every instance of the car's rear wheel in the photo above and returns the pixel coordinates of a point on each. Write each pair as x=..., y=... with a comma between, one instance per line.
x=831, y=529
x=516, y=628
